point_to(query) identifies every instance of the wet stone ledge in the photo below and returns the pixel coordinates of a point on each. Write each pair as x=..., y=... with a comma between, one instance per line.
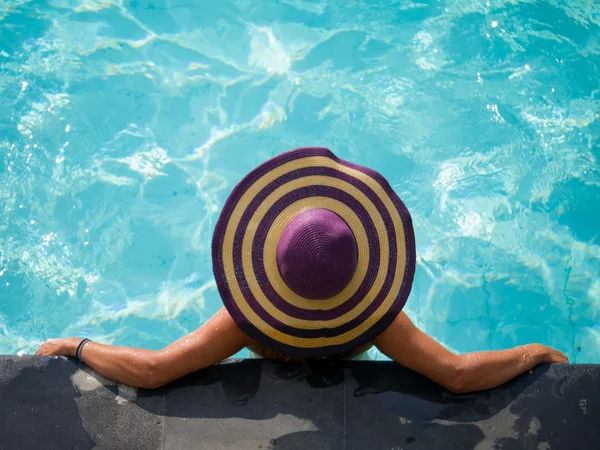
x=54, y=403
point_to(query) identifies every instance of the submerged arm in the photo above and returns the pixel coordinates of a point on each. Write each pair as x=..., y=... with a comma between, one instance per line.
x=216, y=340
x=407, y=345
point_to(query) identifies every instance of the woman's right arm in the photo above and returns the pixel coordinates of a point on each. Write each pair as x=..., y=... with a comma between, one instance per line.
x=218, y=339
x=403, y=342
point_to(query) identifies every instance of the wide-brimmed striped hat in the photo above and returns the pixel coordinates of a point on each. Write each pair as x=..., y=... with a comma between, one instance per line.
x=313, y=255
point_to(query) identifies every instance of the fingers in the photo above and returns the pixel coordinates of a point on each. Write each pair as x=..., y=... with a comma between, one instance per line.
x=52, y=347
x=559, y=357
x=42, y=350
x=563, y=357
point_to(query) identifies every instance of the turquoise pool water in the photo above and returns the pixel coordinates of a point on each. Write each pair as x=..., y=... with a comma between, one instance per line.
x=125, y=124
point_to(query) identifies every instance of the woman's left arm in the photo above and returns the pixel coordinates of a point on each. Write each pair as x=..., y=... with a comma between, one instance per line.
x=218, y=339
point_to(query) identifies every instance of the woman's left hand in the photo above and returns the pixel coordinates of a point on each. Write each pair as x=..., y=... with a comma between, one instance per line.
x=59, y=347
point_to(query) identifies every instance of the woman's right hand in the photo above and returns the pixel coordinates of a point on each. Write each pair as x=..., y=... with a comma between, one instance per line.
x=547, y=354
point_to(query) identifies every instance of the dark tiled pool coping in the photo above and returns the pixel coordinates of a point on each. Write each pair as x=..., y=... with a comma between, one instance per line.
x=56, y=403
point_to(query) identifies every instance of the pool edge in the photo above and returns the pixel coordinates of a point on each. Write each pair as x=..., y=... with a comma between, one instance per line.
x=50, y=401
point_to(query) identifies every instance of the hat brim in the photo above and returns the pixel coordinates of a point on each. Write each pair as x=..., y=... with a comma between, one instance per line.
x=244, y=254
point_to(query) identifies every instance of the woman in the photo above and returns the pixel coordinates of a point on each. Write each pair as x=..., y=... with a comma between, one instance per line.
x=314, y=258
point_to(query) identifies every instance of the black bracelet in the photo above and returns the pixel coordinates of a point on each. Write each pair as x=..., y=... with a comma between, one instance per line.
x=80, y=347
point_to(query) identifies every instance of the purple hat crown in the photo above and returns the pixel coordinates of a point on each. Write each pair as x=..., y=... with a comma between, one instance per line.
x=317, y=254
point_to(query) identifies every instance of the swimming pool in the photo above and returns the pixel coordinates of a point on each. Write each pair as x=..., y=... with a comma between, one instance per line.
x=124, y=126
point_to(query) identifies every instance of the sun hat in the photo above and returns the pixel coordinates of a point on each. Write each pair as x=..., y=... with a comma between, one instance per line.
x=313, y=255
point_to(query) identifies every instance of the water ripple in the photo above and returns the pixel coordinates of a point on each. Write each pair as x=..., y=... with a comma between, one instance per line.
x=126, y=124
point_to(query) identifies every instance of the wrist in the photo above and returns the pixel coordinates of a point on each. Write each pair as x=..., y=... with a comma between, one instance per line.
x=538, y=353
x=70, y=346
